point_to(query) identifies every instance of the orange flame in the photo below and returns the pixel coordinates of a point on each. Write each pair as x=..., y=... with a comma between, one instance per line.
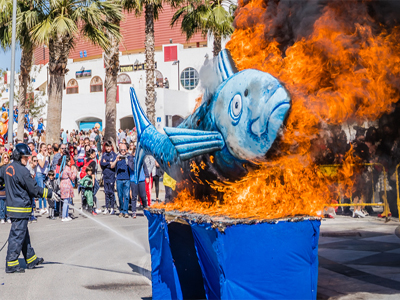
x=337, y=74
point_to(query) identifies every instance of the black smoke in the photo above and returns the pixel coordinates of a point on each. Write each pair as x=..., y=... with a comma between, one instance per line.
x=288, y=21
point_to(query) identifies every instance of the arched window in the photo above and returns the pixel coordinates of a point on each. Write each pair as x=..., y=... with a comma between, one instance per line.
x=123, y=79
x=159, y=78
x=96, y=84
x=72, y=87
x=176, y=120
x=189, y=78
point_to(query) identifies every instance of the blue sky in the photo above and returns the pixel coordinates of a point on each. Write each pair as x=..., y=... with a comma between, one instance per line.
x=5, y=59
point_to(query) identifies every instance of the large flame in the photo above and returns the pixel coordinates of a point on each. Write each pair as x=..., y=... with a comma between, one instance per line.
x=341, y=72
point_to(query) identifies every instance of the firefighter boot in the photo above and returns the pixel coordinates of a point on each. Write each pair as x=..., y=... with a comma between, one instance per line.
x=33, y=264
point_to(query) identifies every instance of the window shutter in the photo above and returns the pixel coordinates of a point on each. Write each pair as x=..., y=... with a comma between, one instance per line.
x=167, y=54
x=174, y=53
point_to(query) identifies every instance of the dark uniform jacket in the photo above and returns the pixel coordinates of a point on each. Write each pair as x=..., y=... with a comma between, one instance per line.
x=21, y=188
x=105, y=163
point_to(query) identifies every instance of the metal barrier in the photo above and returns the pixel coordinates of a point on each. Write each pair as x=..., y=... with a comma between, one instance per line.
x=397, y=188
x=385, y=203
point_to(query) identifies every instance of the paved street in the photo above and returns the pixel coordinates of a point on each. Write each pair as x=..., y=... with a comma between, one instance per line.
x=83, y=260
x=359, y=259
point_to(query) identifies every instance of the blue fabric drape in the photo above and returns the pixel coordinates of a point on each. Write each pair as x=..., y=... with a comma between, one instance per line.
x=259, y=261
x=164, y=277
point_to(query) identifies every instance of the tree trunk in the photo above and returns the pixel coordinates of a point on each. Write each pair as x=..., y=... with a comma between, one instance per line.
x=217, y=44
x=24, y=79
x=111, y=59
x=149, y=54
x=58, y=57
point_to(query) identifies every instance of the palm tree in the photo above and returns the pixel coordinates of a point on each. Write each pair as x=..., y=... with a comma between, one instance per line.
x=61, y=23
x=206, y=17
x=111, y=61
x=151, y=11
x=27, y=16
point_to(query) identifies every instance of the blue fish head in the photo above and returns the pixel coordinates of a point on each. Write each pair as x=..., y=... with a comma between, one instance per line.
x=249, y=109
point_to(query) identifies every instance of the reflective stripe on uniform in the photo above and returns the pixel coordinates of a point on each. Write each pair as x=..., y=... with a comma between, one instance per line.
x=29, y=260
x=45, y=191
x=19, y=209
x=12, y=263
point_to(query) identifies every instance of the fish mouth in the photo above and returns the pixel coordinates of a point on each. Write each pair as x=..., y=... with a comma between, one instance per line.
x=273, y=114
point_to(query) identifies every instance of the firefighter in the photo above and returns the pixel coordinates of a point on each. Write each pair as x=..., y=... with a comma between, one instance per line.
x=21, y=188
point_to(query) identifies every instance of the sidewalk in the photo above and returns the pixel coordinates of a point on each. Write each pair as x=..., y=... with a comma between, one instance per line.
x=104, y=258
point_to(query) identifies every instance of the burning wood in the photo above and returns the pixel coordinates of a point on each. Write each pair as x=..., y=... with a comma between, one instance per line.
x=220, y=222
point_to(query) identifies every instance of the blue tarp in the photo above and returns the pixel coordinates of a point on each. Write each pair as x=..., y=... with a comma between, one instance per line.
x=259, y=261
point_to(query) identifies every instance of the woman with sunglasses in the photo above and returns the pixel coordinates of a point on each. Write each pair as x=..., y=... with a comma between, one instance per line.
x=5, y=160
x=108, y=176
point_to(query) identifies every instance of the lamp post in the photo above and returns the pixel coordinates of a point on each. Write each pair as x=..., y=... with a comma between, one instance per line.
x=176, y=62
x=11, y=102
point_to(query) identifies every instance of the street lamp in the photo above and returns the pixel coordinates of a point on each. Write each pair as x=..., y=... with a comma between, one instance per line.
x=11, y=102
x=176, y=62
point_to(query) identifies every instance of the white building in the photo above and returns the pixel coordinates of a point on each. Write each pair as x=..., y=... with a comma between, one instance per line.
x=84, y=95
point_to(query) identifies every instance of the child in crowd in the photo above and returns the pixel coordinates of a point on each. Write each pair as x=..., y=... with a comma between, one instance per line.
x=53, y=184
x=93, y=146
x=87, y=183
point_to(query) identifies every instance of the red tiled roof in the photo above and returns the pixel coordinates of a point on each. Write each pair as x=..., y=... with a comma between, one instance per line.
x=132, y=29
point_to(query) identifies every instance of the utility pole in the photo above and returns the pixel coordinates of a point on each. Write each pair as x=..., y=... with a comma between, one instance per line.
x=12, y=77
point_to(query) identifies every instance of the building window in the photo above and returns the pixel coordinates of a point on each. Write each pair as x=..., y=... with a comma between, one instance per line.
x=72, y=87
x=124, y=79
x=189, y=78
x=96, y=84
x=158, y=78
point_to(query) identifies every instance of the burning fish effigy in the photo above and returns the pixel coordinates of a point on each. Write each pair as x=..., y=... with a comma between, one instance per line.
x=232, y=129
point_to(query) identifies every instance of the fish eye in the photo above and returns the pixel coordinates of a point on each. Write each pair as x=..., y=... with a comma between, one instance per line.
x=236, y=107
x=246, y=92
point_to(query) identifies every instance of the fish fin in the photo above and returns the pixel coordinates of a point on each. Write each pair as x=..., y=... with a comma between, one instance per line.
x=139, y=159
x=191, y=142
x=141, y=123
x=224, y=65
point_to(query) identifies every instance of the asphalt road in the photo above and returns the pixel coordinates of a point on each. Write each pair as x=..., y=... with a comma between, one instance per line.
x=83, y=259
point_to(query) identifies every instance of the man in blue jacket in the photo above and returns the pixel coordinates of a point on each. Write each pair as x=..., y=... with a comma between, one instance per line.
x=123, y=179
x=108, y=157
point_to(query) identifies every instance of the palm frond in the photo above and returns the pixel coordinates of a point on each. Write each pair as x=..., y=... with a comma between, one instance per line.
x=64, y=26
x=42, y=31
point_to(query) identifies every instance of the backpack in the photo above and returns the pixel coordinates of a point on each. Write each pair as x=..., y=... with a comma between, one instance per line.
x=57, y=172
x=83, y=170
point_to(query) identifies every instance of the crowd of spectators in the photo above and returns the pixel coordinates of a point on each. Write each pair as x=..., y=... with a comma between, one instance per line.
x=82, y=162
x=377, y=148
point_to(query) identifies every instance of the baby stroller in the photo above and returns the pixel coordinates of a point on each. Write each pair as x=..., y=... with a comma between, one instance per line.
x=81, y=191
